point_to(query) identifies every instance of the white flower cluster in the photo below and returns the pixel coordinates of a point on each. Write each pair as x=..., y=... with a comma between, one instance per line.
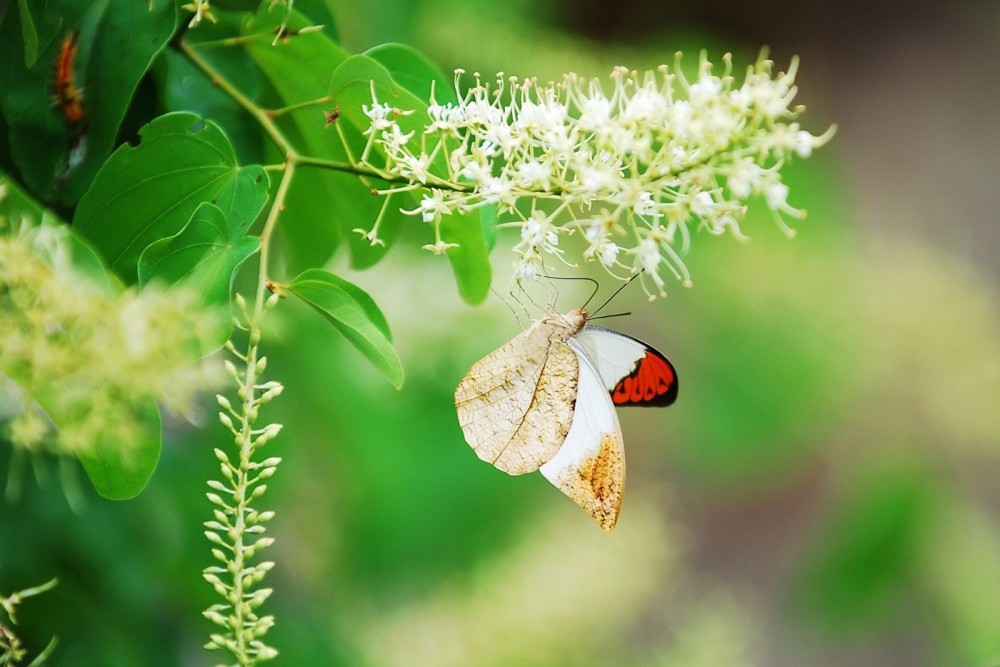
x=631, y=170
x=88, y=355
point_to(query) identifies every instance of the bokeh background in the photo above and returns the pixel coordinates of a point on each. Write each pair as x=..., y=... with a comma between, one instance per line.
x=824, y=492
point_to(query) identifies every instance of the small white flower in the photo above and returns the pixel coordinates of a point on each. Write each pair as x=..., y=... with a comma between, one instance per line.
x=534, y=174
x=646, y=206
x=529, y=267
x=477, y=172
x=803, y=143
x=744, y=178
x=432, y=207
x=609, y=253
x=379, y=115
x=702, y=204
x=414, y=166
x=705, y=90
x=498, y=190
x=444, y=118
x=776, y=195
x=394, y=139
x=439, y=247
x=595, y=113
x=648, y=255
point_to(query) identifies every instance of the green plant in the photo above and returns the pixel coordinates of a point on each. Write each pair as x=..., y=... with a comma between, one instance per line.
x=266, y=141
x=12, y=649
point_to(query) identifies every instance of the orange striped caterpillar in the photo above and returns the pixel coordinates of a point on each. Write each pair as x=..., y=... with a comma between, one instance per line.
x=69, y=97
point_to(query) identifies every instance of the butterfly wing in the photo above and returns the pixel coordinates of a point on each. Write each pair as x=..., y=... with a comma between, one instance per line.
x=590, y=465
x=632, y=371
x=516, y=405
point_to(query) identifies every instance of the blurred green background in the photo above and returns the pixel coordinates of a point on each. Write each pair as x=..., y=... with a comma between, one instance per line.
x=823, y=493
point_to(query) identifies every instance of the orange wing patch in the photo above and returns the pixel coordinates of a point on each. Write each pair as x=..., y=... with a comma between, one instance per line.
x=653, y=383
x=598, y=483
x=69, y=97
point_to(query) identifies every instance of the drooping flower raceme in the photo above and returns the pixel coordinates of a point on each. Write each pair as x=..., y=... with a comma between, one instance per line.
x=631, y=170
x=91, y=354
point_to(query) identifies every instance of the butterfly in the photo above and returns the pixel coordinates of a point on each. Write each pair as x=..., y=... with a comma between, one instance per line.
x=546, y=401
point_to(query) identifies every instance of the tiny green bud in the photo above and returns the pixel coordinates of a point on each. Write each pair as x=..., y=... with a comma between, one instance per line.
x=214, y=538
x=218, y=486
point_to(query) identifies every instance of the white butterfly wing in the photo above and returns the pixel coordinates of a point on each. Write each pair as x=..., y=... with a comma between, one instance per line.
x=615, y=355
x=590, y=465
x=634, y=373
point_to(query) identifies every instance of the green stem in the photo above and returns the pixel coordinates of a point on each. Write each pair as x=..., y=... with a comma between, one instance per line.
x=261, y=116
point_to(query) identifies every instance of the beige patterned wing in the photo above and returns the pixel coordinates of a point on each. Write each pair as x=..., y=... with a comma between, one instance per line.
x=516, y=405
x=590, y=466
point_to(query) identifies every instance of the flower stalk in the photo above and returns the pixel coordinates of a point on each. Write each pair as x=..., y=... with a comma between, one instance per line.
x=237, y=529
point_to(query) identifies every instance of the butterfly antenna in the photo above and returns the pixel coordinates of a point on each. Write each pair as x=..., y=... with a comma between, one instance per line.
x=596, y=284
x=627, y=282
x=604, y=317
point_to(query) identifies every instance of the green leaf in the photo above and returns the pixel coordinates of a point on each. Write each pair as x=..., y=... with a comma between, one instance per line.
x=149, y=192
x=205, y=255
x=37, y=27
x=414, y=72
x=184, y=87
x=488, y=217
x=117, y=40
x=120, y=471
x=351, y=87
x=348, y=308
x=470, y=260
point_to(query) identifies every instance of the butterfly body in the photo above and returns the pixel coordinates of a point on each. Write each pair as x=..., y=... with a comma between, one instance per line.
x=546, y=401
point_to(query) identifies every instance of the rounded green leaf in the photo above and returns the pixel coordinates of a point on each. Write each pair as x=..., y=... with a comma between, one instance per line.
x=149, y=192
x=117, y=470
x=205, y=255
x=354, y=314
x=414, y=72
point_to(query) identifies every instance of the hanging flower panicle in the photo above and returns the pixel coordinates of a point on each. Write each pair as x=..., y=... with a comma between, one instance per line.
x=93, y=354
x=631, y=169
